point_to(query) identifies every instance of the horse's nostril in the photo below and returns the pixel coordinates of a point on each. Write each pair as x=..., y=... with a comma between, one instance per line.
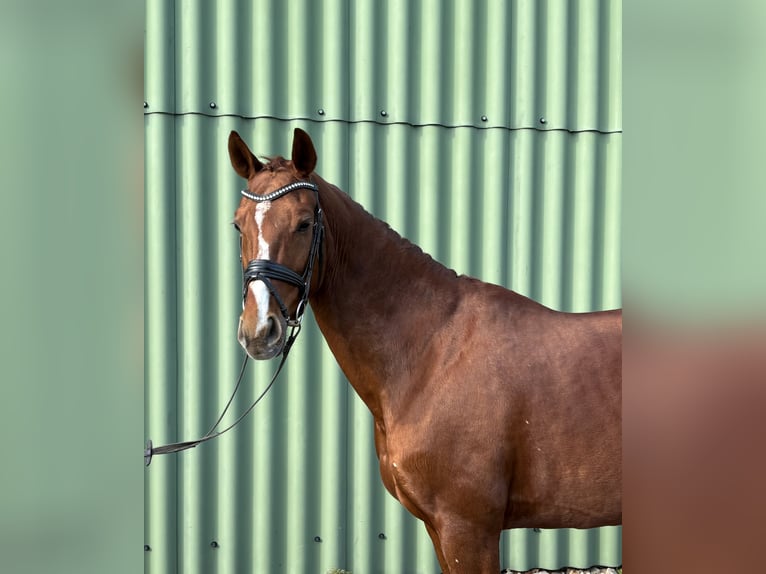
x=274, y=332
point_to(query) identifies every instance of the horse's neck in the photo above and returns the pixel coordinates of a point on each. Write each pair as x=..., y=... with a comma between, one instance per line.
x=375, y=289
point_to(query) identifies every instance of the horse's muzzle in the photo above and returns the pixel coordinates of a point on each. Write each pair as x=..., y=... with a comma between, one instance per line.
x=263, y=341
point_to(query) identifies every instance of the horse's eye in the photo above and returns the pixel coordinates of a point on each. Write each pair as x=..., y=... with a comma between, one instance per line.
x=304, y=225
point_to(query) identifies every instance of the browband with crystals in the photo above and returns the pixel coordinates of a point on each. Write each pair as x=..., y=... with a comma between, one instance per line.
x=281, y=191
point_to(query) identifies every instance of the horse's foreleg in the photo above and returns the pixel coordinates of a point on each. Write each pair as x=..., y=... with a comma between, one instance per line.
x=464, y=549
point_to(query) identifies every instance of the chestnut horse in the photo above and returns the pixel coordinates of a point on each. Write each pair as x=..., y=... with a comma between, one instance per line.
x=491, y=411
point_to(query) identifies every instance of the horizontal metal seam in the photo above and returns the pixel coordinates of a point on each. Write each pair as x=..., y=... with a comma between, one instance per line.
x=389, y=123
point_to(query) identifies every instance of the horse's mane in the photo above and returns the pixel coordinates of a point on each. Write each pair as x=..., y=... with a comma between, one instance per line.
x=401, y=246
x=275, y=163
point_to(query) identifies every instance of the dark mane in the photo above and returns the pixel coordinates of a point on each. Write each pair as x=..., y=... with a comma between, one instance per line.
x=350, y=224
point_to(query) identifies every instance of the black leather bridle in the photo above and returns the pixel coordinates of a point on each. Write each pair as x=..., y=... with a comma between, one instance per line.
x=265, y=270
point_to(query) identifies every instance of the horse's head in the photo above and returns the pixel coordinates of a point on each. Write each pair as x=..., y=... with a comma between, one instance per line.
x=280, y=226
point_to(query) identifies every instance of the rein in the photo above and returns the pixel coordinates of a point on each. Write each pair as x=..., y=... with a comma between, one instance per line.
x=264, y=270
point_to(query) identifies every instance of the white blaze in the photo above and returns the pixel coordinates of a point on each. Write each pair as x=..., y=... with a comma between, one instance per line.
x=258, y=288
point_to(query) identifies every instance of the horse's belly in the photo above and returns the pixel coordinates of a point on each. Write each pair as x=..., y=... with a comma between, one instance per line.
x=565, y=502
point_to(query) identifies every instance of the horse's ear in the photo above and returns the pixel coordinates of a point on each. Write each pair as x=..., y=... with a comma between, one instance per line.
x=304, y=155
x=242, y=159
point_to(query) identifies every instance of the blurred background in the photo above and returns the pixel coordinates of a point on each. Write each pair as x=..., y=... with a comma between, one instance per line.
x=71, y=304
x=694, y=285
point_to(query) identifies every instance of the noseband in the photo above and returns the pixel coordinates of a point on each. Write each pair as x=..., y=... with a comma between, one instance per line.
x=265, y=270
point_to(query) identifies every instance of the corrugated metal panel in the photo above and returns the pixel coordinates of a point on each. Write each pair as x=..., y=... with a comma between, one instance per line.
x=423, y=62
x=534, y=209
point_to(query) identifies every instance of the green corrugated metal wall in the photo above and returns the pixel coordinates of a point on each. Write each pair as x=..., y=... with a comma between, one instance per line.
x=499, y=153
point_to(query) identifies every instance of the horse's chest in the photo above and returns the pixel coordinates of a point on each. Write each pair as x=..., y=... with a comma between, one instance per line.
x=386, y=470
x=401, y=484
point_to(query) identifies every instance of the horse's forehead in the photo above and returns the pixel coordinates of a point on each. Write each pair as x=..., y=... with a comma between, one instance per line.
x=280, y=207
x=270, y=180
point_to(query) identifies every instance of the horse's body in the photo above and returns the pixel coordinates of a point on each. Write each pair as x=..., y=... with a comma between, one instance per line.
x=491, y=411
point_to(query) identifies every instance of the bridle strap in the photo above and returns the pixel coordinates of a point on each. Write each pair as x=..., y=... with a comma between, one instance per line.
x=276, y=194
x=265, y=270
